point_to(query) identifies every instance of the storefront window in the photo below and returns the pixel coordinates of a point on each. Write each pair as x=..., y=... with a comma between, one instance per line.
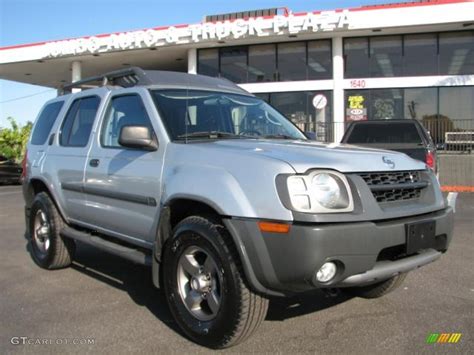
x=262, y=63
x=420, y=55
x=208, y=62
x=456, y=53
x=319, y=60
x=379, y=104
x=264, y=96
x=386, y=104
x=234, y=64
x=356, y=57
x=440, y=110
x=457, y=103
x=311, y=111
x=386, y=56
x=449, y=53
x=292, y=61
x=421, y=103
x=269, y=62
x=357, y=105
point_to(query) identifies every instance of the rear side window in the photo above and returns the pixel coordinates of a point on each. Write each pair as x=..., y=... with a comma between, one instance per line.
x=45, y=123
x=127, y=110
x=77, y=125
x=384, y=133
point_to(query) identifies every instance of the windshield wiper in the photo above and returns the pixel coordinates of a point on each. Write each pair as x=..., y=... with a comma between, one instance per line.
x=209, y=134
x=279, y=136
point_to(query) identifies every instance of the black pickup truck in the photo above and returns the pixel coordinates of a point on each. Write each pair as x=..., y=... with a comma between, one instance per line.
x=406, y=136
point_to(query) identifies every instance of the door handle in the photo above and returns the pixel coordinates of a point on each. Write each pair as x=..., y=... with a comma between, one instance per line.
x=94, y=163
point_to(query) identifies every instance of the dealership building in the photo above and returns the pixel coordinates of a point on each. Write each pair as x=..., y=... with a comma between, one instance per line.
x=322, y=69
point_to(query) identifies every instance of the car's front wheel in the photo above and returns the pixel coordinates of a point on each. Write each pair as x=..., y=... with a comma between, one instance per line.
x=205, y=286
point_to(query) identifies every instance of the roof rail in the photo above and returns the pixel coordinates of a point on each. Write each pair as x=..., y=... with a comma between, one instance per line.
x=126, y=78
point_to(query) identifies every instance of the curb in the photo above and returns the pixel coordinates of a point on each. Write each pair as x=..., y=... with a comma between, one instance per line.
x=457, y=188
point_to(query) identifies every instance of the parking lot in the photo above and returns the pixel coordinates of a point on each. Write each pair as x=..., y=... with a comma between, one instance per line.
x=103, y=304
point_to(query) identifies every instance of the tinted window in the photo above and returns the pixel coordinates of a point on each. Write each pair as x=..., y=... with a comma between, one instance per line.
x=456, y=53
x=386, y=56
x=208, y=62
x=385, y=133
x=262, y=63
x=420, y=55
x=292, y=61
x=45, y=123
x=78, y=123
x=319, y=60
x=457, y=103
x=234, y=64
x=421, y=103
x=123, y=111
x=356, y=57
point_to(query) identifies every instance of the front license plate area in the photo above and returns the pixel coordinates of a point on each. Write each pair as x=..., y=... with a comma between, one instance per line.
x=420, y=235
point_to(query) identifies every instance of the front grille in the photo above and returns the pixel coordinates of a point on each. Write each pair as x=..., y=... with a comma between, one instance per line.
x=389, y=178
x=394, y=186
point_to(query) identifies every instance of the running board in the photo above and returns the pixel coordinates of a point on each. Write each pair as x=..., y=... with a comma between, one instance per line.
x=128, y=253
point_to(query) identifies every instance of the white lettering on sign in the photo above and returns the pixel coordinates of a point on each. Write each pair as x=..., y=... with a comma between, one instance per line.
x=240, y=28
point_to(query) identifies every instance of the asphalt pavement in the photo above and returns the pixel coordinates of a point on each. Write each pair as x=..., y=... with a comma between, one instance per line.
x=103, y=304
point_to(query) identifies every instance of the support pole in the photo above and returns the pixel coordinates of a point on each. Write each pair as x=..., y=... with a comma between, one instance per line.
x=338, y=88
x=192, y=61
x=76, y=73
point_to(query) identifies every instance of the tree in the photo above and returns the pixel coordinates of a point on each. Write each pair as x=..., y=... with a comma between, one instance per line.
x=13, y=140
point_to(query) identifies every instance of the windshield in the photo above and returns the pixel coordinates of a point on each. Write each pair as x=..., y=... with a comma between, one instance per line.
x=193, y=114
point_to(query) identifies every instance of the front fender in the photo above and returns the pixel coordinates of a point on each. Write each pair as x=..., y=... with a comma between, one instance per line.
x=234, y=190
x=211, y=185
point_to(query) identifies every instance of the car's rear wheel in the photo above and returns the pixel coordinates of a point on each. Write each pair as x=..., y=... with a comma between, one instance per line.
x=379, y=289
x=48, y=248
x=205, y=286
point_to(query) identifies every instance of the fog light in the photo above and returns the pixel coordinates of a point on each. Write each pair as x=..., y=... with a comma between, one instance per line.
x=327, y=272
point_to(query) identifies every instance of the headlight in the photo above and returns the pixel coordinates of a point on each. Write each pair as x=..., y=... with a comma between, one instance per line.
x=321, y=191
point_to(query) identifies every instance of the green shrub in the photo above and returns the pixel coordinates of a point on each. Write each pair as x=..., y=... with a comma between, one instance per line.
x=13, y=140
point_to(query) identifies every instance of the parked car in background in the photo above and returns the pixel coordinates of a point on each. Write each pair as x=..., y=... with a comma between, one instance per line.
x=10, y=172
x=405, y=136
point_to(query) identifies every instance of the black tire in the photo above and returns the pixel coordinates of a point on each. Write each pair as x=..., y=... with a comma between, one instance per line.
x=379, y=289
x=59, y=251
x=241, y=311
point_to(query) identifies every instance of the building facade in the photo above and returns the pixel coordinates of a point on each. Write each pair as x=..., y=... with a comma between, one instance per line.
x=321, y=69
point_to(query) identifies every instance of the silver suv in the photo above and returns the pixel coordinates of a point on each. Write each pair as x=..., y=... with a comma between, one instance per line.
x=223, y=197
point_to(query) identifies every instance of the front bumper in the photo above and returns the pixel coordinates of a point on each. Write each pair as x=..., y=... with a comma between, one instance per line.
x=367, y=252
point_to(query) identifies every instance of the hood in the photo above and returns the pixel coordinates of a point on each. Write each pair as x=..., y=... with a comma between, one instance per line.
x=305, y=155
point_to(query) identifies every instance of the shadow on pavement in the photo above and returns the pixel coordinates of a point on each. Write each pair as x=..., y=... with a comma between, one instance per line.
x=309, y=302
x=136, y=280
x=124, y=275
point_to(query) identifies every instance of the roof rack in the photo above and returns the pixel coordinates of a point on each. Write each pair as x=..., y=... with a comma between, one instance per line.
x=126, y=78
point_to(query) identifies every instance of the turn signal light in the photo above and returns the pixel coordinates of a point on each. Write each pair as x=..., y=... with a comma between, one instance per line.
x=272, y=227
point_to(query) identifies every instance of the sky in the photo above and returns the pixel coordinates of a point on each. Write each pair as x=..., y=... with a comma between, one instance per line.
x=29, y=21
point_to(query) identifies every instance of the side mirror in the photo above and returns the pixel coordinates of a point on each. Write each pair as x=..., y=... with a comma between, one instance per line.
x=310, y=135
x=138, y=137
